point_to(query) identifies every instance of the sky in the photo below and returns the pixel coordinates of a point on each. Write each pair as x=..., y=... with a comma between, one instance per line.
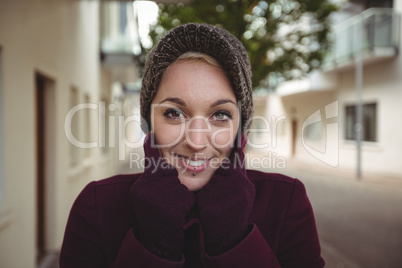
x=147, y=15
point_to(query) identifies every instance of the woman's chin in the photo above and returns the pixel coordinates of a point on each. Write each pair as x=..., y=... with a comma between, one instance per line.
x=194, y=183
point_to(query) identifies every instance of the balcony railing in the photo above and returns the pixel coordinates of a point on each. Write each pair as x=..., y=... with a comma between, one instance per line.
x=379, y=29
x=119, y=32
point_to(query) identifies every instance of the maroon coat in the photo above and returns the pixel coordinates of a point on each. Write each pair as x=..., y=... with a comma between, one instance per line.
x=99, y=231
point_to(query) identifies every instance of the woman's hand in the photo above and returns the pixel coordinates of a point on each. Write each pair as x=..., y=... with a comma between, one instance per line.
x=225, y=205
x=162, y=205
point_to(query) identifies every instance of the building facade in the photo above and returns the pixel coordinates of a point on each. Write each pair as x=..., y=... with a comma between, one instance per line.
x=318, y=114
x=55, y=55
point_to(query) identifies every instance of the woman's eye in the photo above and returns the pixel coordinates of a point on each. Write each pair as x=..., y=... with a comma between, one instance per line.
x=173, y=114
x=222, y=116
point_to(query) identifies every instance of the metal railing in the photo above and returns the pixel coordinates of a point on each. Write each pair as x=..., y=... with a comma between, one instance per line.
x=119, y=31
x=381, y=30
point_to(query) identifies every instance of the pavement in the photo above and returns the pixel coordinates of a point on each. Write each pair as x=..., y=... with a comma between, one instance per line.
x=359, y=220
x=51, y=260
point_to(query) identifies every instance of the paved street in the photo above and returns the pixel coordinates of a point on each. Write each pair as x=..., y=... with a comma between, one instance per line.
x=359, y=222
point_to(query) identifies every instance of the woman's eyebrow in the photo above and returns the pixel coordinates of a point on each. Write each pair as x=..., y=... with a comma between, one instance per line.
x=220, y=102
x=174, y=100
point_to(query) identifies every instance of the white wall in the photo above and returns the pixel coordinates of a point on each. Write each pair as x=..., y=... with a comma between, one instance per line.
x=382, y=83
x=299, y=108
x=60, y=40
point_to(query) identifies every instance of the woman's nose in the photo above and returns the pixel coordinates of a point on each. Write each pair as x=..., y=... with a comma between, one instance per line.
x=197, y=132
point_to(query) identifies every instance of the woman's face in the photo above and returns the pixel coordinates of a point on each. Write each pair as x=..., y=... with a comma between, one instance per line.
x=194, y=118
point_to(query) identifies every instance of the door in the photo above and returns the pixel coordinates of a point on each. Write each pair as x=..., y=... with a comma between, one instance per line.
x=45, y=184
x=294, y=136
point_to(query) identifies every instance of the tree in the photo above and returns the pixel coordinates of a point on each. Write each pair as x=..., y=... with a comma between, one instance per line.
x=285, y=39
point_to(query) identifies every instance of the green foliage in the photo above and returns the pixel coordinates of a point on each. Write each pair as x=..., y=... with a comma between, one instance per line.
x=285, y=39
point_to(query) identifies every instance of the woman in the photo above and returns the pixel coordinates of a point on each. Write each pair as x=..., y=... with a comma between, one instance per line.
x=195, y=205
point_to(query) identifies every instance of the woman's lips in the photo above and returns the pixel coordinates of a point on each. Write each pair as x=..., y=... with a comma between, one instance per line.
x=193, y=165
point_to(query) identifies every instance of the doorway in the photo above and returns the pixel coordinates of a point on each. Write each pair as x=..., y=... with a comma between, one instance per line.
x=294, y=136
x=45, y=155
x=2, y=130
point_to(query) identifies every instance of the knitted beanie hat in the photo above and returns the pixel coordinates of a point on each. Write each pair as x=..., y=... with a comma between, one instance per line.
x=204, y=38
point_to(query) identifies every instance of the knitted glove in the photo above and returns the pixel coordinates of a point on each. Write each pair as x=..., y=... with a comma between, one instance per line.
x=225, y=205
x=162, y=205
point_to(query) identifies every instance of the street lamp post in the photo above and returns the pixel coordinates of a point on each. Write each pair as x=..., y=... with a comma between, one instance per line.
x=359, y=89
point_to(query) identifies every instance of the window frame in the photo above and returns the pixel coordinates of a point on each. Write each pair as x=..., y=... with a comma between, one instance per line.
x=74, y=152
x=349, y=131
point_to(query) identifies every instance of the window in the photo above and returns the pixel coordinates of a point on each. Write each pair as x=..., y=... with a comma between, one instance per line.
x=123, y=17
x=104, y=125
x=379, y=3
x=369, y=122
x=87, y=126
x=74, y=150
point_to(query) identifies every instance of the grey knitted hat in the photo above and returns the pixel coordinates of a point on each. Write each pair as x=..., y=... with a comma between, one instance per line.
x=204, y=38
